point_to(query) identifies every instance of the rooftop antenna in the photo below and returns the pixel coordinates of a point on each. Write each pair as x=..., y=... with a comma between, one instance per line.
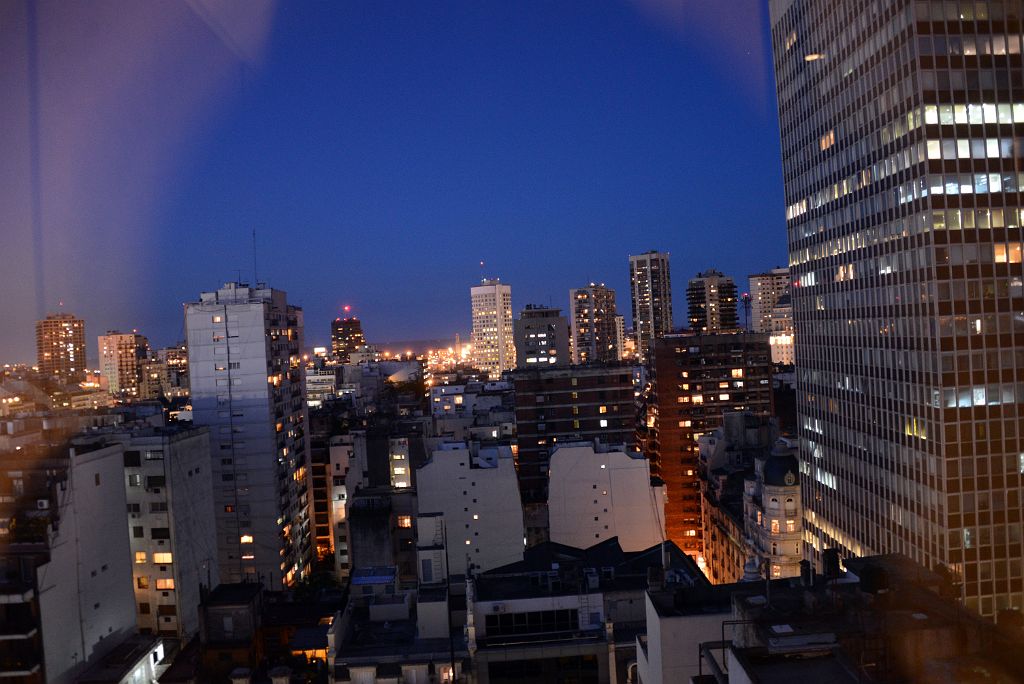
x=255, y=277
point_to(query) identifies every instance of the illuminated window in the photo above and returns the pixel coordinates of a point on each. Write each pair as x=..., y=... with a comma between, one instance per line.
x=698, y=399
x=602, y=409
x=248, y=556
x=723, y=397
x=604, y=423
x=162, y=558
x=776, y=571
x=140, y=556
x=217, y=319
x=576, y=424
x=399, y=470
x=468, y=542
x=685, y=423
x=791, y=526
x=775, y=526
x=405, y=521
x=165, y=584
x=737, y=372
x=476, y=516
x=397, y=457
x=458, y=400
x=142, y=582
x=246, y=539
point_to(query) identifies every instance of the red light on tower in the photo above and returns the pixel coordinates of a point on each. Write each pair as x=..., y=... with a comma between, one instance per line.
x=346, y=308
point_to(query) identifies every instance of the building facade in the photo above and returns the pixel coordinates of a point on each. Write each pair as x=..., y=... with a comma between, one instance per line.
x=494, y=350
x=246, y=376
x=651, y=290
x=595, y=325
x=765, y=290
x=697, y=379
x=902, y=182
x=541, y=338
x=60, y=346
x=122, y=356
x=711, y=300
x=783, y=334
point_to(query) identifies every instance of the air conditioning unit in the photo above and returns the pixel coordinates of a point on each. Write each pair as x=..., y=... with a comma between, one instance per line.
x=498, y=608
x=43, y=504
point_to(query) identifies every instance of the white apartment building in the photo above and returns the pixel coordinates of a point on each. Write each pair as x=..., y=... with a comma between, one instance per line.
x=765, y=290
x=341, y=459
x=494, y=348
x=247, y=383
x=475, y=493
x=172, y=537
x=598, y=493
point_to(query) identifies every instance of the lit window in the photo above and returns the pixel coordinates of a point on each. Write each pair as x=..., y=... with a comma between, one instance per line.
x=775, y=526
x=737, y=372
x=468, y=542
x=698, y=399
x=140, y=556
x=399, y=470
x=723, y=397
x=165, y=584
x=476, y=516
x=602, y=409
x=142, y=582
x=248, y=556
x=776, y=571
x=246, y=539
x=405, y=521
x=685, y=423
x=604, y=422
x=162, y=558
x=217, y=319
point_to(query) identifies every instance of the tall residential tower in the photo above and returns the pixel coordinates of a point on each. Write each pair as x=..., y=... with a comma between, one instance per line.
x=711, y=299
x=651, y=289
x=595, y=325
x=244, y=359
x=900, y=128
x=494, y=348
x=60, y=346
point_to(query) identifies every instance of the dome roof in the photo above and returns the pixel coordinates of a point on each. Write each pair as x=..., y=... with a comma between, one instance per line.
x=781, y=470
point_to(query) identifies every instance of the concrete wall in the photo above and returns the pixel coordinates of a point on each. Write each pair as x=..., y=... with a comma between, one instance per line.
x=86, y=602
x=597, y=496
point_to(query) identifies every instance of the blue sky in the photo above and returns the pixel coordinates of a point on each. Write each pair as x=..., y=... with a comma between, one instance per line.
x=381, y=150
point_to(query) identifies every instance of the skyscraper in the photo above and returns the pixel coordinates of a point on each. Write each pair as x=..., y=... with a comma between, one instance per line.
x=900, y=128
x=765, y=290
x=346, y=337
x=651, y=289
x=494, y=348
x=594, y=320
x=711, y=299
x=60, y=346
x=246, y=374
x=542, y=338
x=121, y=358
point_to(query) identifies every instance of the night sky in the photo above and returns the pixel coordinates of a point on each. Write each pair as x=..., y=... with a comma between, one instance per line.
x=380, y=150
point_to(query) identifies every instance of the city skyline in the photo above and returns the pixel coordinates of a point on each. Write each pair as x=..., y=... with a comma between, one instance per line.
x=601, y=147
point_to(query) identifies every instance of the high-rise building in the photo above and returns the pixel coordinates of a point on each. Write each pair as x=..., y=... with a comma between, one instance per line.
x=651, y=290
x=246, y=374
x=696, y=380
x=711, y=299
x=595, y=325
x=559, y=405
x=765, y=290
x=121, y=359
x=346, y=337
x=900, y=128
x=541, y=338
x=60, y=346
x=176, y=360
x=494, y=350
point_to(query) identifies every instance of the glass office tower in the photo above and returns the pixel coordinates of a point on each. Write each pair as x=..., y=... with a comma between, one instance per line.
x=901, y=129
